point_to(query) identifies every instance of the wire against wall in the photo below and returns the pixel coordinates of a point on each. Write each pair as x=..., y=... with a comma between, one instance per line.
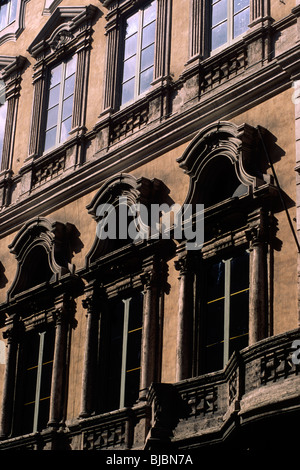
x=279, y=189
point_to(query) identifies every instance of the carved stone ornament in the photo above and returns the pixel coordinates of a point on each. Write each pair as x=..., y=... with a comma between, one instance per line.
x=60, y=40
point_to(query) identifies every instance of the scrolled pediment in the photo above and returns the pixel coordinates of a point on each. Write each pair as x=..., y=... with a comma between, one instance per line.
x=62, y=26
x=225, y=155
x=40, y=248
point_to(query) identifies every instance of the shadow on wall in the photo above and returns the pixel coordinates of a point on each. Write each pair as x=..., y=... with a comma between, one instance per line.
x=3, y=278
x=271, y=154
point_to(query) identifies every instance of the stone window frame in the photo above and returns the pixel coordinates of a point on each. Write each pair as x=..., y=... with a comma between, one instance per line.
x=68, y=31
x=13, y=30
x=11, y=76
x=117, y=11
x=50, y=6
x=51, y=303
x=148, y=274
x=239, y=144
x=199, y=44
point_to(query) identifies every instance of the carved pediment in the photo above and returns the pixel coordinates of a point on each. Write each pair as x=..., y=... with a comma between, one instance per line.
x=222, y=163
x=41, y=249
x=61, y=28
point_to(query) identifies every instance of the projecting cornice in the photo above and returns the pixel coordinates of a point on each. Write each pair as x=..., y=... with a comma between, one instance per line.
x=64, y=20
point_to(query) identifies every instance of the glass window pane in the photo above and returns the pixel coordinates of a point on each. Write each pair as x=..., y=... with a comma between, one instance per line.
x=129, y=68
x=213, y=358
x=240, y=4
x=239, y=279
x=50, y=138
x=13, y=10
x=136, y=311
x=114, y=354
x=65, y=129
x=67, y=107
x=54, y=96
x=71, y=66
x=146, y=79
x=149, y=13
x=43, y=418
x=241, y=22
x=148, y=35
x=147, y=57
x=52, y=117
x=215, y=281
x=132, y=387
x=3, y=110
x=219, y=35
x=214, y=322
x=128, y=91
x=132, y=24
x=3, y=14
x=55, y=76
x=130, y=46
x=69, y=86
x=239, y=314
x=219, y=12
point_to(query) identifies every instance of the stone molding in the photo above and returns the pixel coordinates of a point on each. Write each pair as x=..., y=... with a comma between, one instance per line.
x=12, y=31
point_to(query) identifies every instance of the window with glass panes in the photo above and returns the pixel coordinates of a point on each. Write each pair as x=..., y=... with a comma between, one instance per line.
x=124, y=351
x=3, y=111
x=8, y=12
x=35, y=383
x=229, y=19
x=226, y=309
x=60, y=103
x=138, y=56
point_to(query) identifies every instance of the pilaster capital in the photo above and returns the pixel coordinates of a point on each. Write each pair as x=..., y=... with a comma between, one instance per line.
x=13, y=330
x=184, y=264
x=65, y=308
x=89, y=304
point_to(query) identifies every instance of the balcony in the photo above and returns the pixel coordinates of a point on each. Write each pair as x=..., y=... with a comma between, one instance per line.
x=259, y=386
x=253, y=400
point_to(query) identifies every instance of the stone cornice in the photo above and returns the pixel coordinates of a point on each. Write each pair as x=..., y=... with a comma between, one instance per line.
x=253, y=86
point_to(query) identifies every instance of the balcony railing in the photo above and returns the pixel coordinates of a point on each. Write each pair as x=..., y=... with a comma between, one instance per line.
x=261, y=380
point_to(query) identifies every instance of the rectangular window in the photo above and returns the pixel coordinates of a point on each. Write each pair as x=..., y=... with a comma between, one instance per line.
x=60, y=103
x=8, y=12
x=229, y=19
x=226, y=310
x=36, y=380
x=124, y=352
x=138, y=54
x=3, y=111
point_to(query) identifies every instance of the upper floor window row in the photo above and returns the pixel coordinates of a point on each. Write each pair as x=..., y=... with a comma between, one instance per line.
x=138, y=52
x=60, y=102
x=229, y=20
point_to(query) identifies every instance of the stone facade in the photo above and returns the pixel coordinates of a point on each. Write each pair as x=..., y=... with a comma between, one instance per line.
x=218, y=128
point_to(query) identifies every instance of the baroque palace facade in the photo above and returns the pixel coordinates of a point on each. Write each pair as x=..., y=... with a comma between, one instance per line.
x=148, y=344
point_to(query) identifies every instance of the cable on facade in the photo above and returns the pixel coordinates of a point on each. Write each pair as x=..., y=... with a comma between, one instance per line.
x=279, y=189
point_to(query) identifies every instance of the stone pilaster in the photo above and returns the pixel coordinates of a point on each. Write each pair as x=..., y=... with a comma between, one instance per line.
x=90, y=355
x=185, y=317
x=150, y=321
x=11, y=334
x=257, y=284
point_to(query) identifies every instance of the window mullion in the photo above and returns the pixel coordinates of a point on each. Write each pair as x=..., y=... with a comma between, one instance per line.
x=8, y=12
x=38, y=382
x=230, y=21
x=124, y=352
x=60, y=103
x=226, y=311
x=138, y=56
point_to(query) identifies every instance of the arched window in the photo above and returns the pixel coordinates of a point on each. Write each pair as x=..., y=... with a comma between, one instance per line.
x=125, y=280
x=224, y=285
x=39, y=312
